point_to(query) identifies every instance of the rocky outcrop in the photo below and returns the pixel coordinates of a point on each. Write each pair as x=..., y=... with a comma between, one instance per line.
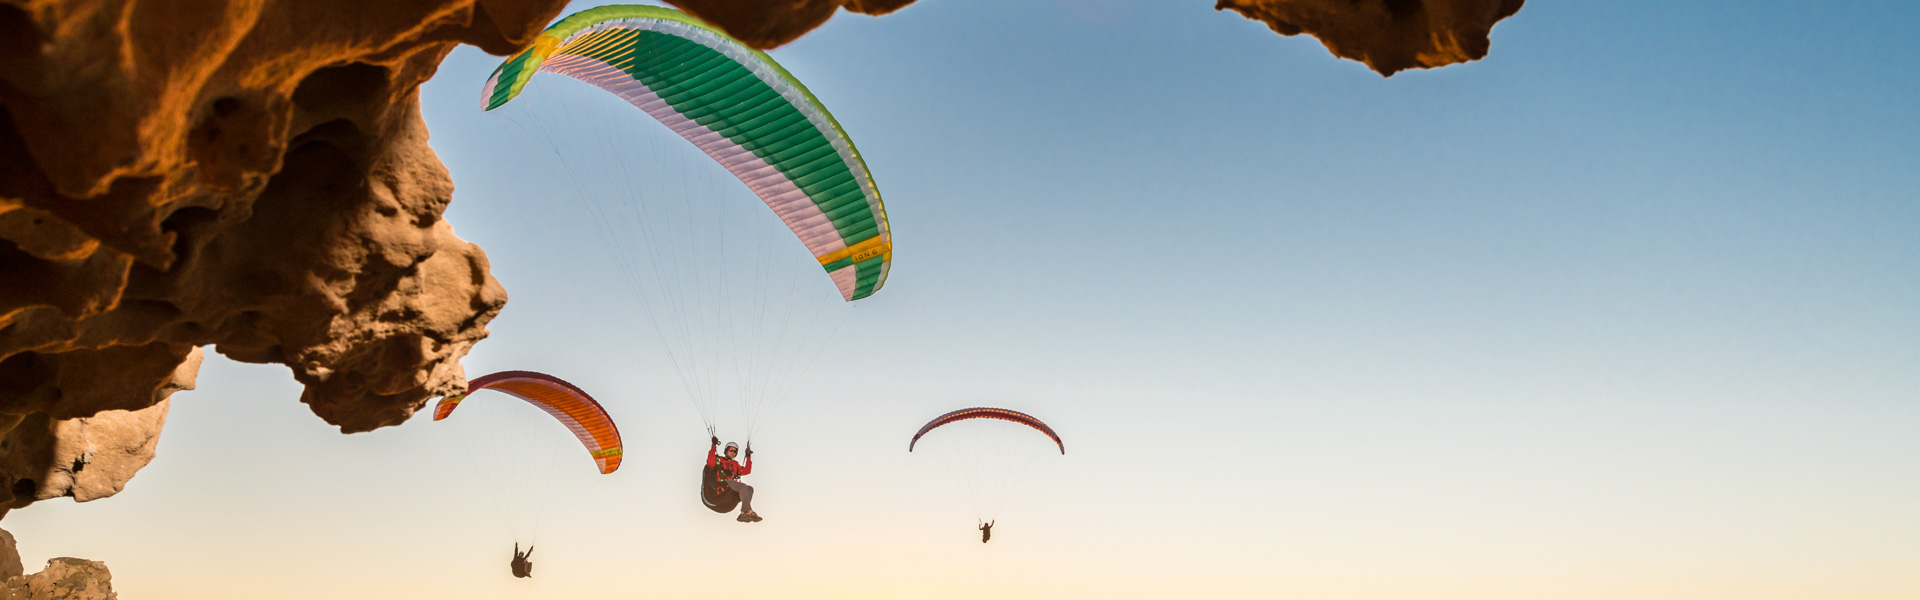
x=253, y=176
x=1387, y=35
x=769, y=23
x=10, y=566
x=63, y=579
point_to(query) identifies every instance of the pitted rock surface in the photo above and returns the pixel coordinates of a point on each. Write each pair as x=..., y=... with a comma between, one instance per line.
x=253, y=176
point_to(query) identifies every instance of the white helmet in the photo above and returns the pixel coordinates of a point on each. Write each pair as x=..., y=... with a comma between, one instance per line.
x=732, y=447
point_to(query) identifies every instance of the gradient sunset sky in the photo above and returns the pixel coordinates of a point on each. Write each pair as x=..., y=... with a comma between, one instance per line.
x=1628, y=309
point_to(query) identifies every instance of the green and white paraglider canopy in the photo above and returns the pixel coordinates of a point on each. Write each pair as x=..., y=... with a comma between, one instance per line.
x=741, y=108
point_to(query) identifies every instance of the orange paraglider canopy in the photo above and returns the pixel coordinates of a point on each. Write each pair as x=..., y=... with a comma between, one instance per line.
x=566, y=403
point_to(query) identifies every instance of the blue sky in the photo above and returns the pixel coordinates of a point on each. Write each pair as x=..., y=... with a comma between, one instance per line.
x=1627, y=309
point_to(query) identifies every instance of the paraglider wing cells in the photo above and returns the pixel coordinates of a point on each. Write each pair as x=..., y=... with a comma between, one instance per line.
x=741, y=108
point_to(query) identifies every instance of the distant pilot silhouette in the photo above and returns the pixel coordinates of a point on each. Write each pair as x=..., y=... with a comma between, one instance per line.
x=522, y=564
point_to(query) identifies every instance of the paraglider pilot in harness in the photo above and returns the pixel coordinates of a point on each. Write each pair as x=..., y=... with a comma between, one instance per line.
x=986, y=531
x=730, y=472
x=522, y=564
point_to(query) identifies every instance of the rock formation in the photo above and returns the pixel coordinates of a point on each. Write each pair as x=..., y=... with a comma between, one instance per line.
x=253, y=176
x=63, y=579
x=1387, y=35
x=10, y=566
x=770, y=23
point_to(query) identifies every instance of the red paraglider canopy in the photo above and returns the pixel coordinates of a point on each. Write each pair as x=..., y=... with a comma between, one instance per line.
x=988, y=413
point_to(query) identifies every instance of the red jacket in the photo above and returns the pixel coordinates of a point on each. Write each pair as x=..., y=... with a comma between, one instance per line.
x=728, y=469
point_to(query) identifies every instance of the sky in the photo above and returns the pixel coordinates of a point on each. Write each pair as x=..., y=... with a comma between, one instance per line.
x=1626, y=309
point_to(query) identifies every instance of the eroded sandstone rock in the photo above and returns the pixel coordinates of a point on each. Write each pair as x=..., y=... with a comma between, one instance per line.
x=63, y=579
x=769, y=23
x=1387, y=35
x=10, y=566
x=253, y=176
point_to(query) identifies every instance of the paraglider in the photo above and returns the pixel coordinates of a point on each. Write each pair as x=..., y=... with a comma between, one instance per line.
x=522, y=565
x=725, y=475
x=503, y=445
x=740, y=317
x=570, y=405
x=741, y=108
x=988, y=459
x=987, y=413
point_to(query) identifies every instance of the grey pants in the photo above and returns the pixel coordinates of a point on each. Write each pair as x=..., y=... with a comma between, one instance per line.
x=746, y=494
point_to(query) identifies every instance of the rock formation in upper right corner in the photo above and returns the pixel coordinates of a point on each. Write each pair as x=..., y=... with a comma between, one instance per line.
x=1387, y=35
